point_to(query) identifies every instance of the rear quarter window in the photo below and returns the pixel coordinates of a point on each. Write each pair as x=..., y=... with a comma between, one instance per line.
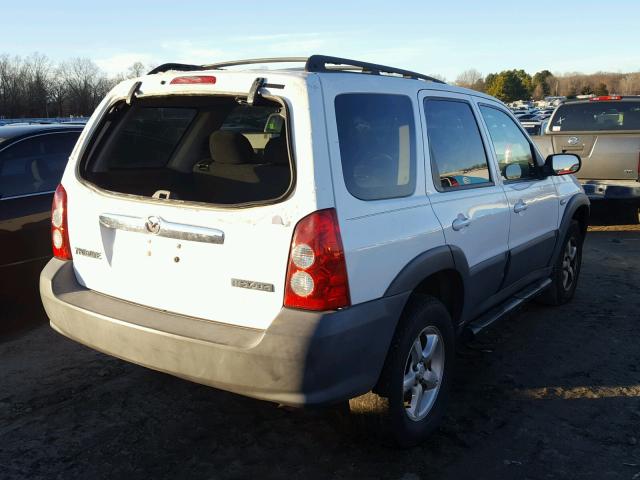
x=376, y=134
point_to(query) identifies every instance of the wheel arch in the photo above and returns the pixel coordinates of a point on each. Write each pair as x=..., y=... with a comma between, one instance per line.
x=440, y=272
x=578, y=209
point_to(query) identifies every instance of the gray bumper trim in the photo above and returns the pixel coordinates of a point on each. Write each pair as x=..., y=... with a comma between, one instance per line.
x=303, y=358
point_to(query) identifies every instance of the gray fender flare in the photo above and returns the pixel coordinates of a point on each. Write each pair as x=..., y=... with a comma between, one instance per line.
x=427, y=263
x=443, y=257
x=575, y=202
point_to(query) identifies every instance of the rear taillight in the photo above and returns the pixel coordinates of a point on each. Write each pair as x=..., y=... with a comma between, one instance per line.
x=59, y=226
x=317, y=271
x=193, y=79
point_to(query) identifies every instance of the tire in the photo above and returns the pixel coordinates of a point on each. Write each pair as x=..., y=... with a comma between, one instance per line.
x=566, y=270
x=412, y=373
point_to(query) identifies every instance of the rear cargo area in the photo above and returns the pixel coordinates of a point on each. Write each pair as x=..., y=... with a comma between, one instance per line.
x=212, y=149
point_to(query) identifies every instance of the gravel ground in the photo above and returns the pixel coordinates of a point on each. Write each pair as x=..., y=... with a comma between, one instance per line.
x=551, y=393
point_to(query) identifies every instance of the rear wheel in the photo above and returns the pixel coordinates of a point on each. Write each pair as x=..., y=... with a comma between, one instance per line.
x=415, y=381
x=566, y=269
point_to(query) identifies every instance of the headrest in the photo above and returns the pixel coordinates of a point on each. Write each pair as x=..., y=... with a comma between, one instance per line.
x=275, y=151
x=230, y=148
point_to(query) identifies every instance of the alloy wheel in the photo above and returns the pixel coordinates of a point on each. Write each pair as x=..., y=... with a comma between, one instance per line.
x=570, y=264
x=423, y=373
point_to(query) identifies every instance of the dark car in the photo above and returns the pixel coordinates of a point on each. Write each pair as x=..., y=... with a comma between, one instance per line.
x=32, y=159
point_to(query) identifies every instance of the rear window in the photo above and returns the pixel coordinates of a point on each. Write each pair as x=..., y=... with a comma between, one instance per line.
x=377, y=144
x=216, y=150
x=148, y=137
x=595, y=116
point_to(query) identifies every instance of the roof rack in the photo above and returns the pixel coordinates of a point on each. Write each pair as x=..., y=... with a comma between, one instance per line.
x=254, y=61
x=314, y=63
x=323, y=63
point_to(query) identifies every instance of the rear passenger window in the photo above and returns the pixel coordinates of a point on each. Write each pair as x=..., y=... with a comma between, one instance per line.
x=35, y=165
x=512, y=148
x=377, y=144
x=457, y=152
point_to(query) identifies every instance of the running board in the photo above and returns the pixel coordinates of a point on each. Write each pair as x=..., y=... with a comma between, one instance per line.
x=506, y=307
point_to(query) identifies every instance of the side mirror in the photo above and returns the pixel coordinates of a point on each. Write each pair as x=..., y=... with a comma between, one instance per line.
x=562, y=164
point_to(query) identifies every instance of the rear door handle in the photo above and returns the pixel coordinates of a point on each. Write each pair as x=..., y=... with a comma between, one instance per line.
x=460, y=222
x=520, y=206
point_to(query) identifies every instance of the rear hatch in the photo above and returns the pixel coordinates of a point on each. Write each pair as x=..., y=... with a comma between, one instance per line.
x=184, y=206
x=605, y=133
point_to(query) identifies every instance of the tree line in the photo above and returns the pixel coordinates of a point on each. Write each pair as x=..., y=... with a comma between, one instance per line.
x=511, y=85
x=35, y=86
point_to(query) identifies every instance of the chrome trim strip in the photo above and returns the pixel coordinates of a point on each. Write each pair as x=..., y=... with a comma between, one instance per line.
x=25, y=195
x=162, y=228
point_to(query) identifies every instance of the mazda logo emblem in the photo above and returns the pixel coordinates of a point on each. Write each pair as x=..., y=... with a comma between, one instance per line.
x=573, y=140
x=153, y=225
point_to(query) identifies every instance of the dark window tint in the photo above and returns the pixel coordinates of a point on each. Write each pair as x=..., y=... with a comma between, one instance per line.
x=35, y=164
x=598, y=115
x=512, y=147
x=148, y=137
x=377, y=144
x=457, y=152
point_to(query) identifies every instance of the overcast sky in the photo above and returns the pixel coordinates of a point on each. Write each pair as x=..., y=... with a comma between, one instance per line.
x=443, y=37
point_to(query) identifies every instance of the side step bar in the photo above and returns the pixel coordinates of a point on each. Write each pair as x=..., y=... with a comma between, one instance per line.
x=505, y=308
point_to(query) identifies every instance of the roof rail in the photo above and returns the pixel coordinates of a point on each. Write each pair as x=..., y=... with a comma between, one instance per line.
x=314, y=63
x=254, y=61
x=319, y=63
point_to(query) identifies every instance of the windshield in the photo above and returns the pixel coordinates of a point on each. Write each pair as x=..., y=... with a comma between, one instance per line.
x=593, y=116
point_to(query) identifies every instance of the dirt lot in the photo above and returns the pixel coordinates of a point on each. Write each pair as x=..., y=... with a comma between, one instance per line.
x=555, y=393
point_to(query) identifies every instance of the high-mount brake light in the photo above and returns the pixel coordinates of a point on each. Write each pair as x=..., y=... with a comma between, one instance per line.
x=59, y=225
x=317, y=271
x=603, y=98
x=191, y=79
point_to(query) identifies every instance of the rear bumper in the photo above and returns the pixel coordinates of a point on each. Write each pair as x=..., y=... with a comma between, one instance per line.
x=628, y=190
x=303, y=358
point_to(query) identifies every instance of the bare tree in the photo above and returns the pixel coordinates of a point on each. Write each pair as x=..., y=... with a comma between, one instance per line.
x=136, y=70
x=85, y=83
x=630, y=84
x=468, y=78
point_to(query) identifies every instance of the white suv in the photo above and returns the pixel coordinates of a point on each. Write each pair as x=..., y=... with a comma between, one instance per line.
x=309, y=235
